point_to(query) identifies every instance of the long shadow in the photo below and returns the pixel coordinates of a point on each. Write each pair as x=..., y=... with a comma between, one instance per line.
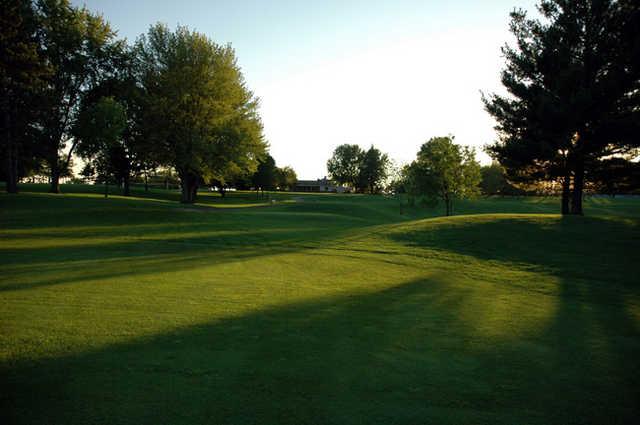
x=28, y=268
x=85, y=239
x=400, y=355
x=597, y=249
x=587, y=355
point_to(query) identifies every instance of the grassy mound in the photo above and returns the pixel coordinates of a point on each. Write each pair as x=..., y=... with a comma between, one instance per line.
x=316, y=309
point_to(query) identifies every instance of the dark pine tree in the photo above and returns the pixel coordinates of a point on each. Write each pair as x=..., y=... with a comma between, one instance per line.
x=574, y=93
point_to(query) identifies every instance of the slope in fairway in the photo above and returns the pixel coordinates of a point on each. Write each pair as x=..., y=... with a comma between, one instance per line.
x=320, y=309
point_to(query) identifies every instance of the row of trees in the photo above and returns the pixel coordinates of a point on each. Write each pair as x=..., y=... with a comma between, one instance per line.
x=270, y=177
x=364, y=171
x=174, y=99
x=572, y=113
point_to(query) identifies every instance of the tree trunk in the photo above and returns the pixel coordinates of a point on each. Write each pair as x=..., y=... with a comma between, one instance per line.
x=55, y=177
x=566, y=194
x=12, y=167
x=447, y=205
x=578, y=187
x=126, y=186
x=11, y=159
x=222, y=191
x=146, y=181
x=189, y=184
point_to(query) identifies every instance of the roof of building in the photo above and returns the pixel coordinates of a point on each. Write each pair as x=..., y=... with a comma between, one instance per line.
x=318, y=182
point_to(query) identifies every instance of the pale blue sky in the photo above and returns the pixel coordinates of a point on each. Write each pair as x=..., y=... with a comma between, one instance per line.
x=391, y=73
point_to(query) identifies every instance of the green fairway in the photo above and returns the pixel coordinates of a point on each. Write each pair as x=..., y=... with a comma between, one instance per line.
x=316, y=309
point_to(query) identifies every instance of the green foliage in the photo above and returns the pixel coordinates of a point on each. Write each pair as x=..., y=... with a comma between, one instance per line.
x=99, y=131
x=286, y=178
x=266, y=176
x=200, y=115
x=615, y=176
x=443, y=171
x=493, y=181
x=573, y=83
x=78, y=47
x=344, y=165
x=22, y=73
x=359, y=169
x=135, y=153
x=374, y=168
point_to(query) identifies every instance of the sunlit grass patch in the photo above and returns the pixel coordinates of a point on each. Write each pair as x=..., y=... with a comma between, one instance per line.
x=319, y=309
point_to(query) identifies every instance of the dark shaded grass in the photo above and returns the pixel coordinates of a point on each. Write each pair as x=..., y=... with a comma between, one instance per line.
x=400, y=355
x=404, y=351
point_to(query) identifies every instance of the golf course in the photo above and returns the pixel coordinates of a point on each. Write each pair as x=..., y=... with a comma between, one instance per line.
x=300, y=308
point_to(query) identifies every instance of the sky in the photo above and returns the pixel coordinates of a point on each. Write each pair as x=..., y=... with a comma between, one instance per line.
x=389, y=73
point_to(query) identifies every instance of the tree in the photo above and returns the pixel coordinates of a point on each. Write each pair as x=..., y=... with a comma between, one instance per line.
x=200, y=115
x=615, y=176
x=99, y=131
x=574, y=91
x=373, y=170
x=78, y=47
x=344, y=164
x=286, y=178
x=266, y=176
x=494, y=182
x=131, y=154
x=22, y=73
x=443, y=171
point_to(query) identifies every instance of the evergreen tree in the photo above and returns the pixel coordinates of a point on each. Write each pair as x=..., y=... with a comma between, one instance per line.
x=574, y=92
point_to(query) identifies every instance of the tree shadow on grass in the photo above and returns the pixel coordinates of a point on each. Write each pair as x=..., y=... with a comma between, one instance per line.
x=400, y=355
x=600, y=250
x=89, y=242
x=587, y=355
x=29, y=267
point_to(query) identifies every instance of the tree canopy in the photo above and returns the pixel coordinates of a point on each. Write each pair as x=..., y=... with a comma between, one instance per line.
x=286, y=178
x=374, y=168
x=23, y=71
x=344, y=164
x=352, y=166
x=574, y=89
x=79, y=48
x=443, y=171
x=204, y=116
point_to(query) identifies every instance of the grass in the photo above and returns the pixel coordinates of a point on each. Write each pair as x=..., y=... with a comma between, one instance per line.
x=319, y=309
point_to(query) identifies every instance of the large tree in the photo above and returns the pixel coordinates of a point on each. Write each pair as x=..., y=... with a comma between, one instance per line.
x=443, y=171
x=200, y=113
x=131, y=153
x=99, y=131
x=574, y=92
x=286, y=178
x=266, y=175
x=78, y=47
x=22, y=74
x=373, y=170
x=344, y=164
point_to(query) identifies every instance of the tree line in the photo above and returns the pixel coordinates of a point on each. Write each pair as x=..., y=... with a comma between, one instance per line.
x=359, y=169
x=173, y=99
x=570, y=120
